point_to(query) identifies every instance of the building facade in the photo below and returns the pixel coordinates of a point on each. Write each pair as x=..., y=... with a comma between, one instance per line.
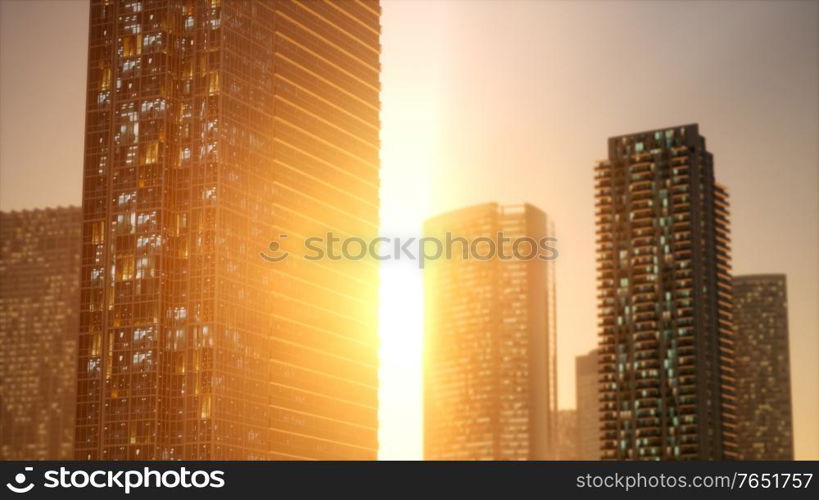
x=588, y=406
x=764, y=409
x=39, y=324
x=664, y=300
x=490, y=380
x=567, y=433
x=217, y=131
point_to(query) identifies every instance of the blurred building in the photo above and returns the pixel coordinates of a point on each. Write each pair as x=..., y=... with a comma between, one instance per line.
x=664, y=281
x=764, y=412
x=588, y=406
x=490, y=381
x=214, y=127
x=39, y=321
x=567, y=432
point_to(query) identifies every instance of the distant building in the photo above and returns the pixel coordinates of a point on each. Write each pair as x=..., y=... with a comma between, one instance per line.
x=213, y=128
x=588, y=407
x=764, y=413
x=664, y=300
x=567, y=433
x=39, y=324
x=490, y=368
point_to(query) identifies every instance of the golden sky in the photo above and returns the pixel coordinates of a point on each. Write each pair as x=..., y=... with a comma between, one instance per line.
x=512, y=101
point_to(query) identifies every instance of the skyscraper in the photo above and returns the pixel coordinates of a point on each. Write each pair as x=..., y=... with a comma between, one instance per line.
x=39, y=321
x=588, y=406
x=214, y=128
x=764, y=414
x=489, y=347
x=666, y=332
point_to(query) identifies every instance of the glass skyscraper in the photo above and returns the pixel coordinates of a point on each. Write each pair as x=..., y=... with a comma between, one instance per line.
x=214, y=127
x=664, y=293
x=39, y=321
x=490, y=379
x=764, y=410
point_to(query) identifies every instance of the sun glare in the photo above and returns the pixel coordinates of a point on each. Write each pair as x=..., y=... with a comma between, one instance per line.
x=408, y=154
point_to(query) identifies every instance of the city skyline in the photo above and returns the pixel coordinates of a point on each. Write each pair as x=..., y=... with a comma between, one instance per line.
x=763, y=128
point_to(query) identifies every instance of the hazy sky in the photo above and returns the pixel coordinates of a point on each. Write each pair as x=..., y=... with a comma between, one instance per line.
x=512, y=101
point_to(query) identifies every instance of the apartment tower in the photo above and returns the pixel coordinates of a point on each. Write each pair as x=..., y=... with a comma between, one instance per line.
x=490, y=388
x=666, y=341
x=217, y=131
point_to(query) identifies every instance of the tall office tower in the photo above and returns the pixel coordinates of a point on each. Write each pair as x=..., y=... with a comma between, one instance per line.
x=666, y=332
x=490, y=371
x=764, y=415
x=213, y=128
x=39, y=321
x=588, y=406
